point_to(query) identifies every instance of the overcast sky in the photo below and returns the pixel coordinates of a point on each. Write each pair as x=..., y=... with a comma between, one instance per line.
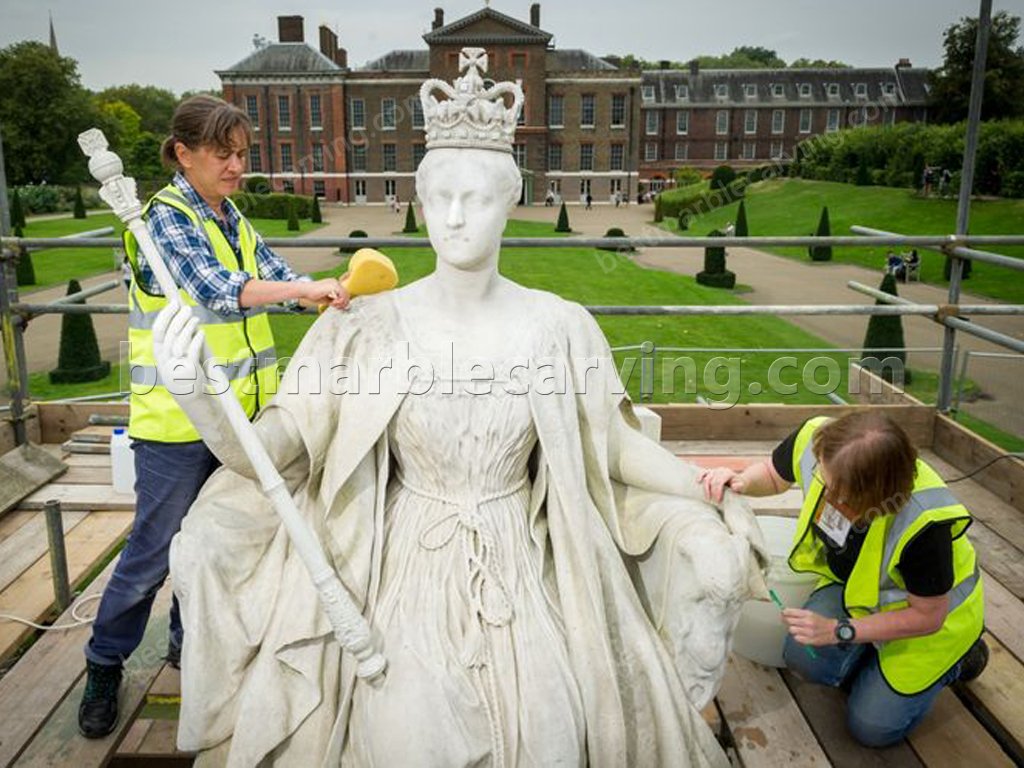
x=178, y=45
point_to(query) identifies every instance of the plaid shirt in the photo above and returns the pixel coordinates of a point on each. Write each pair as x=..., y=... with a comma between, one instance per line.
x=191, y=259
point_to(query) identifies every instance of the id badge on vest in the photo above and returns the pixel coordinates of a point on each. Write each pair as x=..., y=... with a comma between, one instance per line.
x=831, y=522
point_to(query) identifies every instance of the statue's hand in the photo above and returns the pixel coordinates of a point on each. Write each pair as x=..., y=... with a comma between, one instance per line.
x=178, y=349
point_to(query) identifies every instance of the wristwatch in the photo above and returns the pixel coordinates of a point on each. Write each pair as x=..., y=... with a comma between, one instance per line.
x=845, y=633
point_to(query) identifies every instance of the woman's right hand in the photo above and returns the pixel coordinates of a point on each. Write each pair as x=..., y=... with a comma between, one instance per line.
x=717, y=479
x=326, y=291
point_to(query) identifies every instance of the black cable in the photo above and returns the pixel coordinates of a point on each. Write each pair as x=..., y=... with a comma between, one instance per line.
x=1015, y=455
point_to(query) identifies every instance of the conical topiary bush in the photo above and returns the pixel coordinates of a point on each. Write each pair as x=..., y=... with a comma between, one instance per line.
x=17, y=211
x=822, y=252
x=79, y=207
x=293, y=217
x=410, y=219
x=563, y=220
x=79, y=358
x=25, y=273
x=315, y=216
x=741, y=220
x=884, y=338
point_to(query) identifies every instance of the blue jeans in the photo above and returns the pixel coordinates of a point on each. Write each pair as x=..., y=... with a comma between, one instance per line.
x=168, y=477
x=877, y=716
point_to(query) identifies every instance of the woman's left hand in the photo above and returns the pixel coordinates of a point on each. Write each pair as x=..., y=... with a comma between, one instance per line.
x=810, y=628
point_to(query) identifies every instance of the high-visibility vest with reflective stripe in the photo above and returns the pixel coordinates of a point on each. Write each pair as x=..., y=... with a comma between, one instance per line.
x=242, y=344
x=909, y=665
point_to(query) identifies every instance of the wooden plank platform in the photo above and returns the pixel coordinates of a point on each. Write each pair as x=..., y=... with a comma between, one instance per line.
x=764, y=717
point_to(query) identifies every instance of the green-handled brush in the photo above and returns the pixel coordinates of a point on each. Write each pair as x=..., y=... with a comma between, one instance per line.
x=775, y=599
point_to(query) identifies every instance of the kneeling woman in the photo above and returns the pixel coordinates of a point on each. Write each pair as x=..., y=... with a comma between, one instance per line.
x=898, y=610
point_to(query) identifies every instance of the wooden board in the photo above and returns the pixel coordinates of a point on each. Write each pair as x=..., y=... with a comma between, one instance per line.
x=40, y=679
x=81, y=497
x=999, y=557
x=11, y=522
x=29, y=543
x=764, y=720
x=87, y=476
x=58, y=420
x=58, y=741
x=1004, y=616
x=774, y=422
x=967, y=451
x=75, y=446
x=997, y=696
x=23, y=471
x=31, y=594
x=825, y=711
x=166, y=689
x=88, y=460
x=950, y=737
x=93, y=434
x=760, y=448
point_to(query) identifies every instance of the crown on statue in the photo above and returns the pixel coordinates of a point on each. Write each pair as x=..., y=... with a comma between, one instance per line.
x=472, y=116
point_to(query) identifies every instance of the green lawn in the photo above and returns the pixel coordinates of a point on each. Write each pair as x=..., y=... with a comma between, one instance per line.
x=793, y=206
x=55, y=266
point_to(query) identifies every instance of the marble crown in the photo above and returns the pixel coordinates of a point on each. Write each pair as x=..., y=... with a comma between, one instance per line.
x=472, y=116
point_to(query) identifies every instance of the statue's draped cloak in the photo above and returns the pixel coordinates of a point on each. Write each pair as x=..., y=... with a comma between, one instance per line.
x=264, y=679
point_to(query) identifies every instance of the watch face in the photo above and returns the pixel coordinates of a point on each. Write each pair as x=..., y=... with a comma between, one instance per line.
x=845, y=632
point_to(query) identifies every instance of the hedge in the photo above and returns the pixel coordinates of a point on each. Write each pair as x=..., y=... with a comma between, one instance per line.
x=273, y=206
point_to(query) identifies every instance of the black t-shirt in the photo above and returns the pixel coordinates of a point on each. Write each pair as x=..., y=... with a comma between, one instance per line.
x=926, y=564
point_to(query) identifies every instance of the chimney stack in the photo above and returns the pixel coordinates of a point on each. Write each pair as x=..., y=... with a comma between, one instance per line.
x=535, y=15
x=903, y=64
x=664, y=64
x=694, y=68
x=328, y=42
x=289, y=29
x=438, y=18
x=341, y=58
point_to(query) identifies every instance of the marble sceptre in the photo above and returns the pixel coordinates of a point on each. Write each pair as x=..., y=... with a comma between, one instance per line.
x=350, y=627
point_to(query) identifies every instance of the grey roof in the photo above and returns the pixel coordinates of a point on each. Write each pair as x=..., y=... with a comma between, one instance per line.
x=400, y=61
x=574, y=59
x=291, y=58
x=519, y=31
x=768, y=86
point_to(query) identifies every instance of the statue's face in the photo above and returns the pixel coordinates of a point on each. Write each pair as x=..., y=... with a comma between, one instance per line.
x=466, y=197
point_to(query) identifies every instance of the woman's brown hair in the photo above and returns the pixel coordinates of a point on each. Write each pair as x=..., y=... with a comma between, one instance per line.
x=204, y=121
x=870, y=459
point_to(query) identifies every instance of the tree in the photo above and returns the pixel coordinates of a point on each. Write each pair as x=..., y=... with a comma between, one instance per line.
x=741, y=220
x=25, y=273
x=315, y=216
x=1004, y=71
x=154, y=106
x=822, y=252
x=563, y=220
x=884, y=338
x=17, y=212
x=43, y=108
x=714, y=274
x=410, y=219
x=79, y=358
x=804, y=63
x=293, y=217
x=721, y=178
x=79, y=205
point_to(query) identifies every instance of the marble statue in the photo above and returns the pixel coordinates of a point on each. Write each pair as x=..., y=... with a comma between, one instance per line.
x=547, y=585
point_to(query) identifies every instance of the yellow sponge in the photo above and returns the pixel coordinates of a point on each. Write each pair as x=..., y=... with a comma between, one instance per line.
x=370, y=271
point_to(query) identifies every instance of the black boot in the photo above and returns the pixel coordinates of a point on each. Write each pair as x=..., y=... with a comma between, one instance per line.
x=974, y=661
x=173, y=657
x=97, y=714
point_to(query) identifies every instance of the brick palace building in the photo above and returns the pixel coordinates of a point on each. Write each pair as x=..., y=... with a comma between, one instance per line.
x=355, y=135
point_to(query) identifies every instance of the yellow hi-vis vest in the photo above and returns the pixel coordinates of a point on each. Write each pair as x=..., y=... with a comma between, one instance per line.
x=242, y=344
x=909, y=665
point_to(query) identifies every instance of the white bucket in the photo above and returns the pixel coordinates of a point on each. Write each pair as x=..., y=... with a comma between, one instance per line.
x=761, y=633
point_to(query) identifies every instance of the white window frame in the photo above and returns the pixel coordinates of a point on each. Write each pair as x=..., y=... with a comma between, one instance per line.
x=682, y=150
x=683, y=122
x=317, y=158
x=860, y=90
x=721, y=91
x=651, y=152
x=749, y=91
x=682, y=93
x=519, y=152
x=555, y=150
x=622, y=99
x=286, y=112
x=620, y=164
x=647, y=92
x=255, y=158
x=588, y=98
x=805, y=91
x=390, y=189
x=361, y=122
x=384, y=157
x=749, y=121
x=749, y=151
x=832, y=90
x=778, y=91
x=252, y=109
x=778, y=121
x=589, y=164
x=388, y=104
x=287, y=167
x=319, y=188
x=888, y=90
x=317, y=125
x=551, y=110
x=417, y=114
x=722, y=122
x=833, y=120
x=809, y=114
x=721, y=150
x=651, y=122
x=363, y=153
x=778, y=149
